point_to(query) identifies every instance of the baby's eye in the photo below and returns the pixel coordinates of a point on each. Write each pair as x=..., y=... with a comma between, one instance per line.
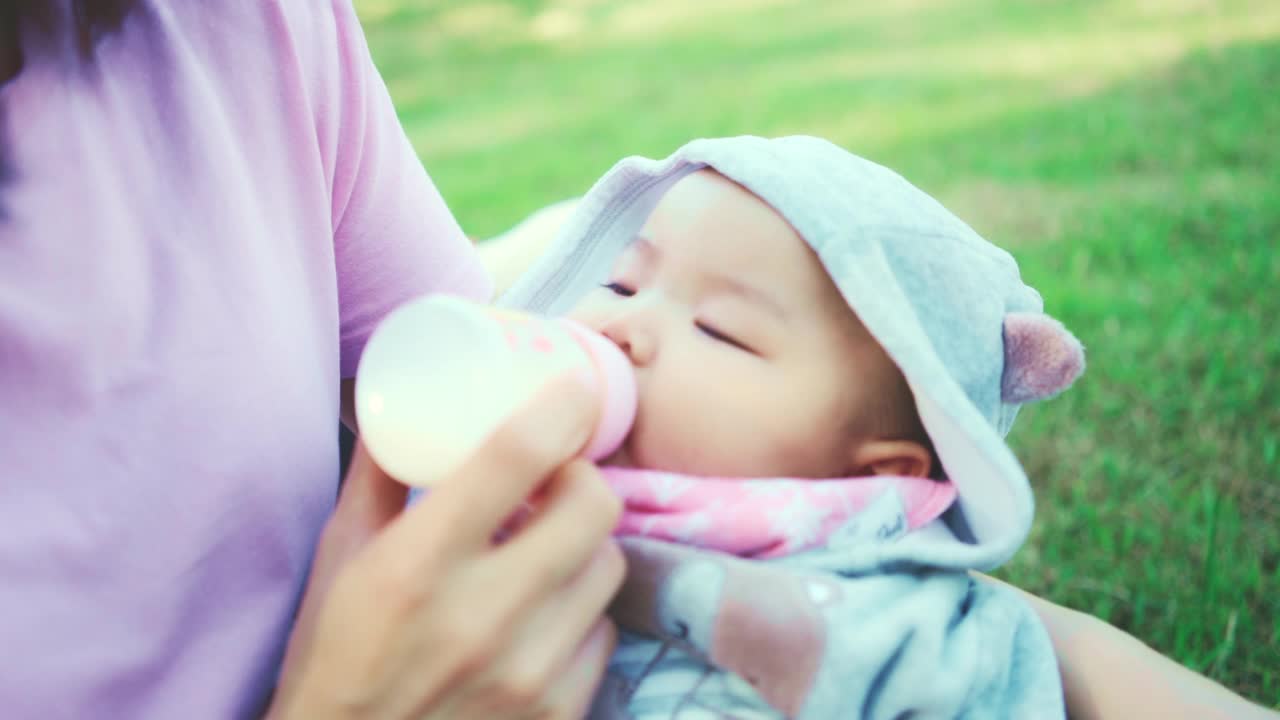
x=618, y=289
x=719, y=336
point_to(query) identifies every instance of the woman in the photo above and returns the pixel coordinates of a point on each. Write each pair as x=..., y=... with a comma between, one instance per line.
x=207, y=207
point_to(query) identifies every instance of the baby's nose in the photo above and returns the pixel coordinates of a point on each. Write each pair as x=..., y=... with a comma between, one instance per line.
x=633, y=338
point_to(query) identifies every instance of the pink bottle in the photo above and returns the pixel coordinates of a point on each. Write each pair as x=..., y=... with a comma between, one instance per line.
x=439, y=374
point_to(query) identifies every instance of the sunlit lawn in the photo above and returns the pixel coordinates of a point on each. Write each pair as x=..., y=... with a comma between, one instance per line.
x=1128, y=153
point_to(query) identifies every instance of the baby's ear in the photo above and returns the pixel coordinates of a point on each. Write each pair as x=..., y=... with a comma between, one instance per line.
x=1041, y=358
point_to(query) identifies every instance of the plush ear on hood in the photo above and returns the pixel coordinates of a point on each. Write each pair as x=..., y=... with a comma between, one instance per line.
x=1041, y=358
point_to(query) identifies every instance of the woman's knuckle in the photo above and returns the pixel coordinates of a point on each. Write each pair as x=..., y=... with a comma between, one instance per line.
x=520, y=442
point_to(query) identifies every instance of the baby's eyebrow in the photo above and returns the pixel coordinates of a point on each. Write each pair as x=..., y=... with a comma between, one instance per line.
x=648, y=251
x=643, y=244
x=750, y=293
x=639, y=252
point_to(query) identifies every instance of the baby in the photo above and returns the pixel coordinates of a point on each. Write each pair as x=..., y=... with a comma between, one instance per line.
x=749, y=364
x=826, y=362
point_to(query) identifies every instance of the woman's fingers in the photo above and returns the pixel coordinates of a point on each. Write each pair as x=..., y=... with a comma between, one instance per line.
x=471, y=503
x=551, y=655
x=563, y=695
x=574, y=517
x=574, y=609
x=559, y=573
x=570, y=695
x=524, y=451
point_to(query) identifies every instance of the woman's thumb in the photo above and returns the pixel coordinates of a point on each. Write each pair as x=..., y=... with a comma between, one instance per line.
x=369, y=498
x=368, y=501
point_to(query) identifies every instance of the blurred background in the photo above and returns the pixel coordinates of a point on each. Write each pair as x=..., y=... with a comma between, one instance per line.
x=1127, y=153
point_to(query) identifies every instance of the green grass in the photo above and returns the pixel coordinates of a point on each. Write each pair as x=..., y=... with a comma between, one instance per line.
x=1128, y=153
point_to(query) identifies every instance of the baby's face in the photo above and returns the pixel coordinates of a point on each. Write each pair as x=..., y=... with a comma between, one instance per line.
x=748, y=360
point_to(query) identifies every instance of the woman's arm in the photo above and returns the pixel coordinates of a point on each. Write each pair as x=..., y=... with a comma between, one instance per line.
x=1107, y=673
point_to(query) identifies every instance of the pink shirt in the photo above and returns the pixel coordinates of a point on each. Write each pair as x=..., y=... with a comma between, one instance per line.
x=202, y=231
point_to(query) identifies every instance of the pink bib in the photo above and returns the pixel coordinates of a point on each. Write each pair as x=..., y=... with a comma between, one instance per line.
x=772, y=517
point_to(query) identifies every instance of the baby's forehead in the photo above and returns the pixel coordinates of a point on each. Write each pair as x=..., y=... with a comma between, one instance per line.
x=721, y=220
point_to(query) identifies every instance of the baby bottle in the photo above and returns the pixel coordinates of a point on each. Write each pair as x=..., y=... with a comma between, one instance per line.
x=439, y=374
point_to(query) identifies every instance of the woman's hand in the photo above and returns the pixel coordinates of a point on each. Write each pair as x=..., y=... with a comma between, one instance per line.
x=416, y=613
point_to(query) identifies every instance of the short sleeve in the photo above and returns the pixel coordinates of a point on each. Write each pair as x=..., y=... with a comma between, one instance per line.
x=394, y=237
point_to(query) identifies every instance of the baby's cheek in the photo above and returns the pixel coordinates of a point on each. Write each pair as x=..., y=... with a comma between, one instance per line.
x=814, y=444
x=768, y=437
x=675, y=445
x=682, y=432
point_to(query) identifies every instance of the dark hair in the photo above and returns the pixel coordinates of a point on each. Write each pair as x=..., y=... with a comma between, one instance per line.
x=43, y=25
